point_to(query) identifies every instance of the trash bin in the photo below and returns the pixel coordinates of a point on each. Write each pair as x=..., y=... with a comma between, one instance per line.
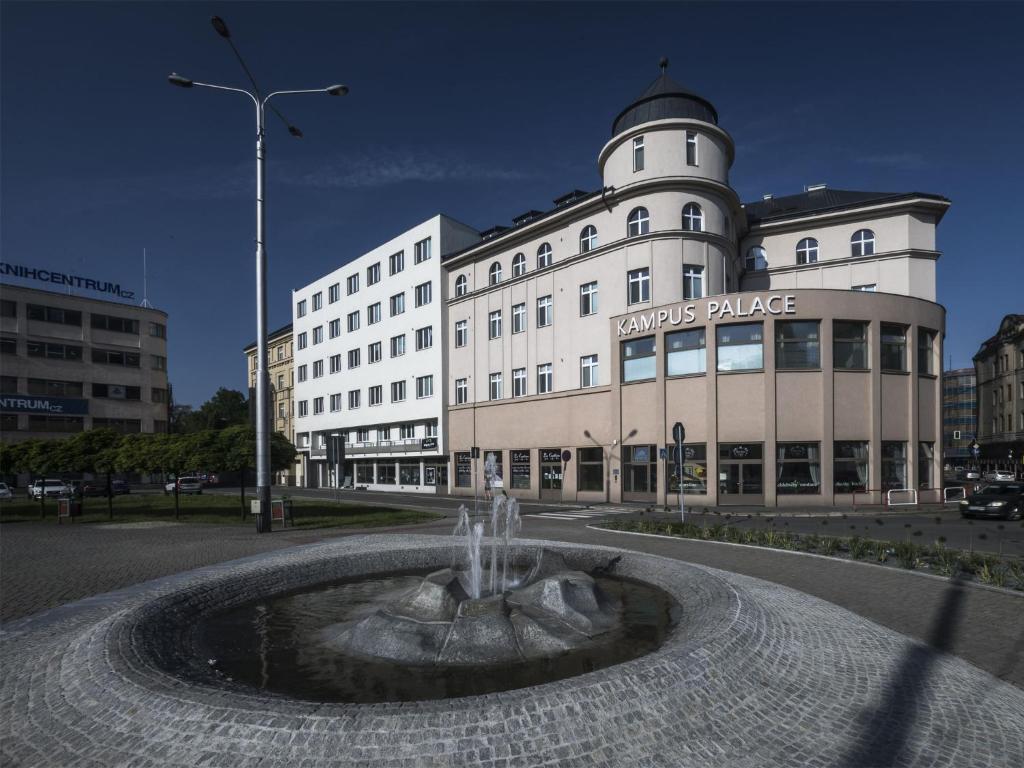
x=68, y=506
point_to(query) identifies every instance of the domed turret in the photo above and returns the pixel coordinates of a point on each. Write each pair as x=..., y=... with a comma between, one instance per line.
x=665, y=99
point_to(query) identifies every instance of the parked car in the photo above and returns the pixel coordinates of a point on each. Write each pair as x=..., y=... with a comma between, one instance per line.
x=5, y=491
x=119, y=487
x=972, y=474
x=995, y=500
x=185, y=485
x=49, y=487
x=1000, y=475
x=88, y=489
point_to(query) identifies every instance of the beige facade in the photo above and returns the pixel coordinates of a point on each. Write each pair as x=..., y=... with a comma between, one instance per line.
x=661, y=256
x=281, y=371
x=71, y=363
x=999, y=365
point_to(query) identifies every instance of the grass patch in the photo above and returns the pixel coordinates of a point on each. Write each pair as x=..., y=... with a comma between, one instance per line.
x=215, y=509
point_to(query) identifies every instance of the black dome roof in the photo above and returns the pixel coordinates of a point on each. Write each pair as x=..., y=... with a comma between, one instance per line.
x=664, y=99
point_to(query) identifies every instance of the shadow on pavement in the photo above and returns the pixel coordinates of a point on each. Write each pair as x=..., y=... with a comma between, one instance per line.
x=884, y=732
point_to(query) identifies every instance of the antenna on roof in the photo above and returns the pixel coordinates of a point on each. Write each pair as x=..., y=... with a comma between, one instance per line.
x=663, y=64
x=145, y=283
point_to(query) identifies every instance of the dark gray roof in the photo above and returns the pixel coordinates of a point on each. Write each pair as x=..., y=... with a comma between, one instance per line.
x=821, y=200
x=279, y=332
x=664, y=99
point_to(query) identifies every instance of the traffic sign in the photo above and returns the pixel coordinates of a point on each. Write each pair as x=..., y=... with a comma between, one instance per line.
x=678, y=433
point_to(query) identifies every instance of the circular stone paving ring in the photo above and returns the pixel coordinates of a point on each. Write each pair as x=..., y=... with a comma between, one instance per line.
x=753, y=674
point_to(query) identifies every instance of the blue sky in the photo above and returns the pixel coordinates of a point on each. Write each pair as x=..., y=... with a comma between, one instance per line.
x=480, y=111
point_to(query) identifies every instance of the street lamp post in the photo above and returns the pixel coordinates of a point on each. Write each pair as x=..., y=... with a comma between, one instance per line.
x=262, y=375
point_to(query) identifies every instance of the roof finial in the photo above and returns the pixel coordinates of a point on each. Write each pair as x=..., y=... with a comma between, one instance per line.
x=663, y=64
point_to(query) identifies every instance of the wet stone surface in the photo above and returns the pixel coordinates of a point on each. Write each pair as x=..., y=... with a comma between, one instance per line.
x=755, y=675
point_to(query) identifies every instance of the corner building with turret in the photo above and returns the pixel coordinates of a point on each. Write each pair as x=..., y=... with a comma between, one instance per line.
x=797, y=339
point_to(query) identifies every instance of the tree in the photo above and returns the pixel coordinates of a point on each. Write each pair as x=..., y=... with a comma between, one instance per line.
x=235, y=451
x=227, y=407
x=94, y=451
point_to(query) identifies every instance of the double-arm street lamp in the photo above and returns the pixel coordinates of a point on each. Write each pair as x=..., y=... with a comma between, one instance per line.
x=262, y=376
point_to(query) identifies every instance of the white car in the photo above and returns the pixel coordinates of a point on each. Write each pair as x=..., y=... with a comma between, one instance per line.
x=5, y=491
x=185, y=485
x=50, y=488
x=1000, y=475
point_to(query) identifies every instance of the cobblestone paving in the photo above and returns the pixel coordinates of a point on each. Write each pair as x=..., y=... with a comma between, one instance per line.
x=754, y=675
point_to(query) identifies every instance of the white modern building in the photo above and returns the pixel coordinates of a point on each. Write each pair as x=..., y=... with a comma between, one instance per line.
x=369, y=355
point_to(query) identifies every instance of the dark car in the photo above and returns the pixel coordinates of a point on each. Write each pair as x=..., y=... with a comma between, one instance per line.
x=119, y=487
x=995, y=500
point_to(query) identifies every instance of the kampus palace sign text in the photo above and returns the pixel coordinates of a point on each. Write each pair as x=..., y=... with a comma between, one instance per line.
x=684, y=314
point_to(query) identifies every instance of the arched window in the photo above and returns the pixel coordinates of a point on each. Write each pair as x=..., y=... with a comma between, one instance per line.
x=693, y=218
x=757, y=259
x=543, y=256
x=807, y=251
x=588, y=238
x=862, y=243
x=638, y=223
x=461, y=285
x=494, y=274
x=519, y=264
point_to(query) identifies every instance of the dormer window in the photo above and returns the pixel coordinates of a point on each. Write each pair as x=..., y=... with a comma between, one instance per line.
x=638, y=222
x=519, y=264
x=807, y=251
x=862, y=243
x=544, y=256
x=588, y=238
x=693, y=218
x=461, y=285
x=494, y=274
x=638, y=154
x=691, y=148
x=757, y=259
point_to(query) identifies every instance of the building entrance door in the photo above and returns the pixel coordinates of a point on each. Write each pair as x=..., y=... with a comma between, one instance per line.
x=740, y=473
x=551, y=473
x=640, y=473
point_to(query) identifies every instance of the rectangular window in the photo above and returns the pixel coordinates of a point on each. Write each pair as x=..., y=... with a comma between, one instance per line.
x=111, y=323
x=353, y=358
x=494, y=324
x=687, y=353
x=9, y=346
x=409, y=473
x=740, y=347
x=425, y=338
x=588, y=299
x=318, y=405
x=424, y=386
x=353, y=322
x=543, y=379
x=335, y=402
x=335, y=363
x=334, y=328
x=318, y=334
x=318, y=369
x=158, y=362
x=639, y=360
x=353, y=399
x=591, y=469
x=352, y=284
x=363, y=436
x=495, y=386
x=57, y=315
x=520, y=461
x=49, y=351
x=850, y=345
x=373, y=274
x=302, y=340
x=373, y=313
x=925, y=460
x=925, y=351
x=519, y=382
x=373, y=352
x=545, y=311
x=396, y=262
x=695, y=469
x=639, y=285
x=397, y=304
x=318, y=300
x=398, y=345
x=376, y=395
x=158, y=395
x=424, y=294
x=518, y=318
x=303, y=407
x=8, y=308
x=797, y=344
x=461, y=333
x=894, y=349
x=638, y=154
x=397, y=391
x=693, y=282
x=303, y=373
x=300, y=309
x=461, y=391
x=798, y=469
x=333, y=293
x=691, y=148
x=116, y=391
x=112, y=357
x=158, y=330
x=407, y=431
x=894, y=465
x=421, y=251
x=588, y=371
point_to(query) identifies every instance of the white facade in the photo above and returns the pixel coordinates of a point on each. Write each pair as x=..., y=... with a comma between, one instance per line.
x=369, y=341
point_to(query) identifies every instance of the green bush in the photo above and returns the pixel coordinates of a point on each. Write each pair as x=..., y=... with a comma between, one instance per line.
x=859, y=548
x=829, y=545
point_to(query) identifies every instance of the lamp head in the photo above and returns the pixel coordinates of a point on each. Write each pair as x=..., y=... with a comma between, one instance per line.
x=337, y=90
x=294, y=131
x=220, y=26
x=182, y=82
